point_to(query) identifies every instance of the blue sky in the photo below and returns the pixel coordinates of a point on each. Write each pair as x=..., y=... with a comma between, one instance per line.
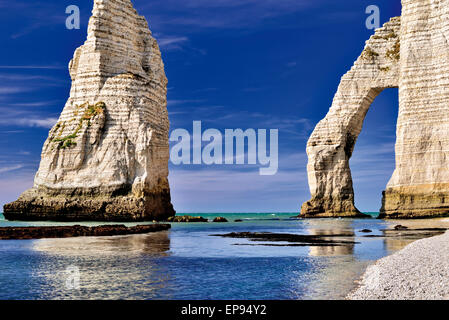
x=268, y=64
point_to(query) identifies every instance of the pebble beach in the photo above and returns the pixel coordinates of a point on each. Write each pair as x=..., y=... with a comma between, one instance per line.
x=420, y=271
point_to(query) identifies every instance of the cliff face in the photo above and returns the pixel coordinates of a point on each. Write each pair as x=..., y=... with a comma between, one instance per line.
x=107, y=157
x=419, y=186
x=412, y=54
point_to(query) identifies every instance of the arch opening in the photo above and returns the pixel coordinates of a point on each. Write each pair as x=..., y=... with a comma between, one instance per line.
x=373, y=159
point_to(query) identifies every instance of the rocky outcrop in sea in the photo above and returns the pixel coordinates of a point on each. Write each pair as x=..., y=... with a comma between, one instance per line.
x=106, y=159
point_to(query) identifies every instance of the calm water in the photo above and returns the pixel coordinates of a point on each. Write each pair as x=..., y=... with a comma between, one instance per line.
x=187, y=263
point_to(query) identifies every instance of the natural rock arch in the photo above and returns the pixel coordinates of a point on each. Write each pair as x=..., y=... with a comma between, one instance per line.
x=331, y=145
x=413, y=54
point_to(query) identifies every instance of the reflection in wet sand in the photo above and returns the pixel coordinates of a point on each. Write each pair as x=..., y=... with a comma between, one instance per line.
x=341, y=264
x=109, y=267
x=394, y=241
x=152, y=243
x=332, y=228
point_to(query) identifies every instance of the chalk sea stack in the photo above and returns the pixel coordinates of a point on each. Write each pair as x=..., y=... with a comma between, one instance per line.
x=410, y=53
x=106, y=159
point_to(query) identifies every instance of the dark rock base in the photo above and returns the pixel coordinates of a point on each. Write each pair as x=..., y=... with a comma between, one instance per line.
x=21, y=233
x=34, y=205
x=331, y=208
x=420, y=202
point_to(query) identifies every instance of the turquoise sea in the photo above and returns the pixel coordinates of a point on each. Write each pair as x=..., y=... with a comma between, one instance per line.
x=188, y=263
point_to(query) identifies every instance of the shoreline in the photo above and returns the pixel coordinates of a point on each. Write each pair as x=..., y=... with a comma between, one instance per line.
x=286, y=256
x=420, y=271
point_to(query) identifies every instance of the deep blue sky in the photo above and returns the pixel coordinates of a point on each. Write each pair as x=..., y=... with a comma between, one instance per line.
x=269, y=64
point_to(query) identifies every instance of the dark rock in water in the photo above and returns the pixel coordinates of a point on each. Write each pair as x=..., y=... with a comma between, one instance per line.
x=187, y=219
x=289, y=245
x=238, y=220
x=409, y=234
x=366, y=230
x=399, y=227
x=220, y=219
x=291, y=238
x=417, y=229
x=21, y=233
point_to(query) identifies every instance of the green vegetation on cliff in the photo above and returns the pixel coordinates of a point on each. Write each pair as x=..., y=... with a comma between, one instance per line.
x=91, y=111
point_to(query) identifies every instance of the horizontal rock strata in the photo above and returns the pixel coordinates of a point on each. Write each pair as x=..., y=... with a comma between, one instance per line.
x=22, y=233
x=419, y=187
x=107, y=157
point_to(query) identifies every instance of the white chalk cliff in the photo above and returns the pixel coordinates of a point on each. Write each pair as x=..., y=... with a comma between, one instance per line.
x=107, y=157
x=412, y=54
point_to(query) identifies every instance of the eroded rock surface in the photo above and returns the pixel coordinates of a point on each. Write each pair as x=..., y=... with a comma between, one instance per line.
x=107, y=157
